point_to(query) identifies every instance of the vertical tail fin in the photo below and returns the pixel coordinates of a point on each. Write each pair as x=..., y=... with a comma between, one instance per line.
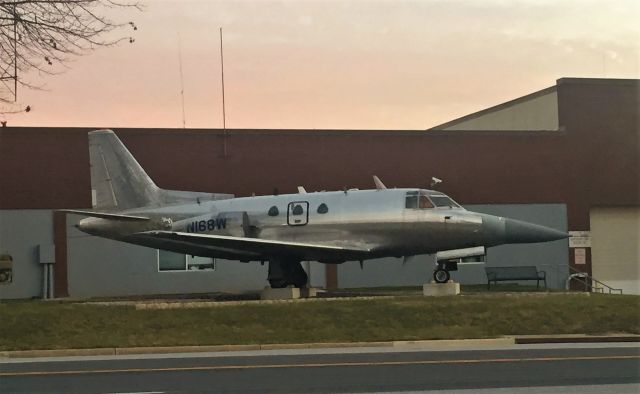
x=117, y=180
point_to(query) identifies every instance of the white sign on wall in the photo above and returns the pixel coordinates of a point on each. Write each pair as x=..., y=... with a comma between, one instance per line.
x=580, y=256
x=579, y=239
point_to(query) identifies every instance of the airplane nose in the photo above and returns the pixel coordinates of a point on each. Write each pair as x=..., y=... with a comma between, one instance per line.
x=516, y=231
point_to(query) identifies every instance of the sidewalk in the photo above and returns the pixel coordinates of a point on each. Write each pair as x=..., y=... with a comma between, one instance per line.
x=444, y=343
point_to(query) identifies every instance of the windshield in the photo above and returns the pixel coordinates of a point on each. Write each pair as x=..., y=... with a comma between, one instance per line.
x=440, y=200
x=415, y=200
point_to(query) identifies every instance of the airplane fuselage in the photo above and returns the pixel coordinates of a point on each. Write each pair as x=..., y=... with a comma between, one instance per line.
x=382, y=221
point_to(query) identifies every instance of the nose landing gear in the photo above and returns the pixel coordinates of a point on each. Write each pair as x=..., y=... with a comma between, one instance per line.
x=442, y=273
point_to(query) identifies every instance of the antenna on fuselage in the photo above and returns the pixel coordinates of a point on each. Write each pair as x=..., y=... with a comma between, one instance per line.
x=301, y=190
x=379, y=184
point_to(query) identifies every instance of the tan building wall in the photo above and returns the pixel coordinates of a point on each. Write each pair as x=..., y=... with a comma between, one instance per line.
x=615, y=247
x=534, y=112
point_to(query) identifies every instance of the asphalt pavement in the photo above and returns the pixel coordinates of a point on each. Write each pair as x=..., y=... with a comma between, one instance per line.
x=564, y=368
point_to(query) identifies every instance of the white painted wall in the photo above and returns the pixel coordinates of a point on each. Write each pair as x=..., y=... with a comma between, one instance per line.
x=615, y=247
x=99, y=267
x=21, y=231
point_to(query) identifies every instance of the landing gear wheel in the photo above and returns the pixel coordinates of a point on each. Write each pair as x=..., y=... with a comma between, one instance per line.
x=441, y=275
x=299, y=278
x=286, y=272
x=277, y=283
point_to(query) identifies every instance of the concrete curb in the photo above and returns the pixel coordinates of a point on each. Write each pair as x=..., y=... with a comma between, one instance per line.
x=182, y=304
x=57, y=353
x=575, y=338
x=436, y=343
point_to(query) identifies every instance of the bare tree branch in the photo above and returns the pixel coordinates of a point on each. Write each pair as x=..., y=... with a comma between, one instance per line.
x=44, y=35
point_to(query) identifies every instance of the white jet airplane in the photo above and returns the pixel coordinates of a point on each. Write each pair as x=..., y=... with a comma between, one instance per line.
x=329, y=227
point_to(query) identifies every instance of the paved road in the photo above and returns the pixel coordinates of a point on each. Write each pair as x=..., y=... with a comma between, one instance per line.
x=524, y=369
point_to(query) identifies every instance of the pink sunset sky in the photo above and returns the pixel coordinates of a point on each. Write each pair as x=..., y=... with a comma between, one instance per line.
x=334, y=64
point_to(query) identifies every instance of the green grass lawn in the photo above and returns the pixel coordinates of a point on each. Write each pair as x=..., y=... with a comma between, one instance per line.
x=464, y=289
x=55, y=325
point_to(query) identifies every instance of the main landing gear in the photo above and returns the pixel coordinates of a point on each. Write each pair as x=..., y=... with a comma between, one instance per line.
x=442, y=273
x=286, y=272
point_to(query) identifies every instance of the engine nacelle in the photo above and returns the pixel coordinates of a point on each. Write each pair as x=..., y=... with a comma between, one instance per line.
x=454, y=254
x=449, y=259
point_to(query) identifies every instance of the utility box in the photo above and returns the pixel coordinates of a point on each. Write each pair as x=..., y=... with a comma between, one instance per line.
x=47, y=253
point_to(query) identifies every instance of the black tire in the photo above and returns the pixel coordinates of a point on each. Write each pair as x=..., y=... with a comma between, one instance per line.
x=299, y=278
x=441, y=275
x=277, y=283
x=283, y=273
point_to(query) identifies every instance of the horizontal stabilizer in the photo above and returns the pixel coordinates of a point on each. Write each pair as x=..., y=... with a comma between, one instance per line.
x=104, y=215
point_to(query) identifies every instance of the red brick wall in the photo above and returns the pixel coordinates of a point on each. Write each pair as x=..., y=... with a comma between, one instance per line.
x=44, y=168
x=602, y=156
x=594, y=161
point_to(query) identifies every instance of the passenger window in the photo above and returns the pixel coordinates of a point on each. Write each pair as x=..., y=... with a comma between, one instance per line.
x=323, y=208
x=273, y=211
x=297, y=210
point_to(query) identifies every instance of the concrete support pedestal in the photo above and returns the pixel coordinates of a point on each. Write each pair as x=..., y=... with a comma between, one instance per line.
x=286, y=293
x=441, y=289
x=309, y=292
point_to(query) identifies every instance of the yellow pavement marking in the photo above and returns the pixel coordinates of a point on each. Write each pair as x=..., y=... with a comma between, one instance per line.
x=318, y=365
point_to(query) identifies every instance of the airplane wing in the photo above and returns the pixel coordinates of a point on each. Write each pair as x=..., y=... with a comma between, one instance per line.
x=248, y=248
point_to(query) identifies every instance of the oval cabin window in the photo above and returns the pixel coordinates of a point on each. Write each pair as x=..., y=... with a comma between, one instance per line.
x=323, y=208
x=273, y=211
x=297, y=210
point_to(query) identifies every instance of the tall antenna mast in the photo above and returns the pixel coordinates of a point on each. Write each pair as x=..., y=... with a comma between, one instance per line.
x=224, y=118
x=184, y=120
x=224, y=121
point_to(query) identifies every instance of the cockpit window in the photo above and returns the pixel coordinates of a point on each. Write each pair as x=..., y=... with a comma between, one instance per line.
x=417, y=200
x=440, y=200
x=423, y=202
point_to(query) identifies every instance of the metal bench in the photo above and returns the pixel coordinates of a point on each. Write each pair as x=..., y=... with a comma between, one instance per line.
x=501, y=274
